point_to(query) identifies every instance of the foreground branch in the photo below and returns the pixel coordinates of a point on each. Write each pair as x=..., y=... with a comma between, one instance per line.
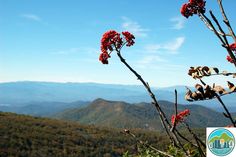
x=161, y=113
x=226, y=21
x=147, y=145
x=222, y=103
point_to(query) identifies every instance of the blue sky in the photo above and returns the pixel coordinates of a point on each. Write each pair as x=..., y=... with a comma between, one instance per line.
x=59, y=41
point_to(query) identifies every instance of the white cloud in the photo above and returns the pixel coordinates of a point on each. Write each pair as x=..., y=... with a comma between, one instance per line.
x=32, y=17
x=151, y=59
x=134, y=27
x=157, y=63
x=170, y=46
x=152, y=48
x=174, y=45
x=178, y=22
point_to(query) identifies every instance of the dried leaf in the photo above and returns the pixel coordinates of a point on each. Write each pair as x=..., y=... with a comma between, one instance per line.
x=200, y=95
x=188, y=95
x=231, y=87
x=216, y=70
x=206, y=71
x=209, y=93
x=225, y=73
x=199, y=88
x=219, y=89
x=191, y=71
x=194, y=96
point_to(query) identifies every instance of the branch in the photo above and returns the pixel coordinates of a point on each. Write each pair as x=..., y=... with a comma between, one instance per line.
x=174, y=125
x=208, y=22
x=226, y=46
x=226, y=21
x=155, y=103
x=226, y=110
x=209, y=26
x=196, y=139
x=174, y=139
x=147, y=145
x=184, y=138
x=222, y=103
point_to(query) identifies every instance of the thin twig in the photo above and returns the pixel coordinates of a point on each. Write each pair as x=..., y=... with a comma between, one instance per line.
x=173, y=137
x=220, y=28
x=226, y=46
x=222, y=103
x=203, y=16
x=176, y=112
x=161, y=113
x=226, y=110
x=202, y=143
x=196, y=139
x=226, y=21
x=209, y=26
x=175, y=122
x=147, y=145
x=184, y=138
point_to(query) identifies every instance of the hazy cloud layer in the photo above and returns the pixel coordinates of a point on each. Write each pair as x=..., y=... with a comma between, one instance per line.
x=170, y=46
x=134, y=27
x=32, y=17
x=178, y=22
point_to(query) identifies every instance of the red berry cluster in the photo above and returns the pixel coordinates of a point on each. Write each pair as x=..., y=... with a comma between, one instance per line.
x=112, y=40
x=233, y=48
x=180, y=116
x=193, y=7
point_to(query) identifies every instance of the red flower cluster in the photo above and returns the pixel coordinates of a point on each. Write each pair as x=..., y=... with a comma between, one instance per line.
x=180, y=116
x=109, y=40
x=233, y=48
x=229, y=59
x=104, y=58
x=193, y=7
x=129, y=38
x=112, y=40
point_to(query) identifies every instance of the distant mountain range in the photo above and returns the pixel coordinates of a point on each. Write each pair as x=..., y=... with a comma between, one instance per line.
x=28, y=92
x=142, y=115
x=43, y=109
x=24, y=92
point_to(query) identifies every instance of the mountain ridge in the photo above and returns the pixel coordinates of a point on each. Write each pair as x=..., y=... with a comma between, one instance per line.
x=142, y=115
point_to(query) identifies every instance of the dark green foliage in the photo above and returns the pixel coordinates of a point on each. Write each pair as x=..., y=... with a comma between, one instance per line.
x=145, y=151
x=28, y=136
